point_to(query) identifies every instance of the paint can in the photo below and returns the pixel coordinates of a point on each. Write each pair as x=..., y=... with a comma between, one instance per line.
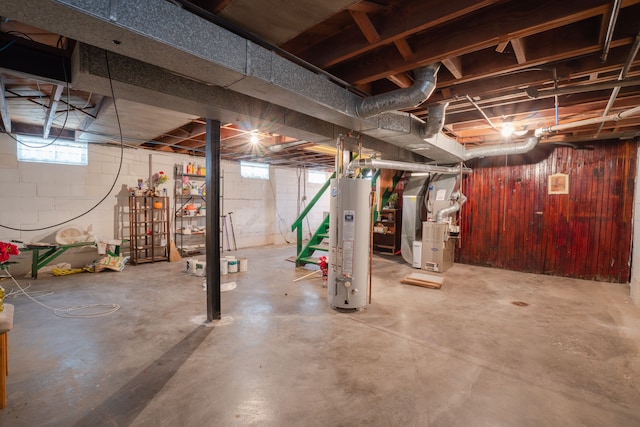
x=233, y=265
x=191, y=265
x=244, y=263
x=224, y=266
x=201, y=268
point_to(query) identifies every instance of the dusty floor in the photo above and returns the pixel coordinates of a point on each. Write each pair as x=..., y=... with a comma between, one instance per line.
x=465, y=355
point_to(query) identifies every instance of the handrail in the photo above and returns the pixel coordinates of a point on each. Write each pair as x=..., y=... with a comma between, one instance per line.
x=298, y=222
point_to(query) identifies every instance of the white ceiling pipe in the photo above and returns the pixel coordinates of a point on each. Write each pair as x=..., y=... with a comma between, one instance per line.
x=611, y=117
x=404, y=166
x=399, y=99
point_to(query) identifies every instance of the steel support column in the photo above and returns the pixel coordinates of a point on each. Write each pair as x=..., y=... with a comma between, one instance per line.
x=212, y=240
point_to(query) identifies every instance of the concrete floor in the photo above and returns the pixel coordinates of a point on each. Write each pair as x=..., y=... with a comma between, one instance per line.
x=464, y=355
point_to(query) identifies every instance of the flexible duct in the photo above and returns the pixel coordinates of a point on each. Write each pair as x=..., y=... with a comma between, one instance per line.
x=501, y=150
x=403, y=166
x=420, y=91
x=460, y=200
x=435, y=121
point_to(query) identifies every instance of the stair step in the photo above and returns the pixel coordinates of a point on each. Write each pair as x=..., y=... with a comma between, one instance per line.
x=320, y=247
x=308, y=260
x=324, y=235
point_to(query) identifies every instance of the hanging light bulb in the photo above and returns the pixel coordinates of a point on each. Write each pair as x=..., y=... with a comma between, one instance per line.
x=507, y=129
x=253, y=138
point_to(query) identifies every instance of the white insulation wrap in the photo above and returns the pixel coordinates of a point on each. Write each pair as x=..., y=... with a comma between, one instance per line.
x=349, y=229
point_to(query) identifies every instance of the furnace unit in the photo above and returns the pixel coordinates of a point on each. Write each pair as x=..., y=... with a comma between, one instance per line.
x=438, y=248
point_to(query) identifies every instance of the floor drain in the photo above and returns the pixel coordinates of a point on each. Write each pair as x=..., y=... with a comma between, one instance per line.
x=520, y=303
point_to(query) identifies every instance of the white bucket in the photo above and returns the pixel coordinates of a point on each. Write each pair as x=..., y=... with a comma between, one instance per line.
x=224, y=266
x=244, y=263
x=191, y=265
x=201, y=268
x=233, y=265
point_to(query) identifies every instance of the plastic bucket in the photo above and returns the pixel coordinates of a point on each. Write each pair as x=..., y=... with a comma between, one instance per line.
x=233, y=265
x=191, y=265
x=244, y=263
x=201, y=268
x=224, y=266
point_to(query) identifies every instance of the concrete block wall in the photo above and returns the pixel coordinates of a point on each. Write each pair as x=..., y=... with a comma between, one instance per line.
x=263, y=210
x=36, y=196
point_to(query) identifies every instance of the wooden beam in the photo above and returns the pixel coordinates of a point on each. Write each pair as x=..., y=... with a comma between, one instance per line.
x=454, y=65
x=213, y=6
x=403, y=47
x=470, y=34
x=367, y=7
x=402, y=80
x=37, y=130
x=518, y=49
x=365, y=25
x=414, y=16
x=4, y=107
x=502, y=46
x=99, y=110
x=54, y=99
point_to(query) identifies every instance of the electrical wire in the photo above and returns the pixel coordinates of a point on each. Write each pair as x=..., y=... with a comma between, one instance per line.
x=115, y=180
x=7, y=45
x=71, y=312
x=12, y=293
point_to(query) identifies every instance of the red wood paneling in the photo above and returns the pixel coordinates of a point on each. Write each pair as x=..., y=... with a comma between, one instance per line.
x=510, y=222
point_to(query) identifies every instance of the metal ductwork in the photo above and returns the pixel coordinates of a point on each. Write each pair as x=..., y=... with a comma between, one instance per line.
x=460, y=200
x=435, y=121
x=403, y=166
x=416, y=94
x=501, y=150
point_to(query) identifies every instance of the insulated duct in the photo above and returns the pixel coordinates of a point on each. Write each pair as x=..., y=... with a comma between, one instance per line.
x=501, y=150
x=420, y=91
x=460, y=200
x=435, y=121
x=403, y=166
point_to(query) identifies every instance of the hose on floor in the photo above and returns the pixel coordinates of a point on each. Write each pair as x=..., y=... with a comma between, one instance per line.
x=86, y=311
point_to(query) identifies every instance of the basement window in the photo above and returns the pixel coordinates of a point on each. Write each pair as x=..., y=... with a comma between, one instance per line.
x=254, y=170
x=59, y=151
x=316, y=177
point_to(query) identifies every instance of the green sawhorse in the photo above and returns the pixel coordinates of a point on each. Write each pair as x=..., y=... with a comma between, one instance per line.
x=44, y=253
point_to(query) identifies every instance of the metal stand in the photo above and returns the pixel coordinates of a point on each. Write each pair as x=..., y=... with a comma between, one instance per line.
x=226, y=231
x=233, y=233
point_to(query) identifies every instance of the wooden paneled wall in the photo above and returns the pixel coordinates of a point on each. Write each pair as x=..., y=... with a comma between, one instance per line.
x=510, y=221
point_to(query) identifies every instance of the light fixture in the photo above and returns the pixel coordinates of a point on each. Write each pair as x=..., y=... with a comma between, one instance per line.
x=507, y=129
x=253, y=138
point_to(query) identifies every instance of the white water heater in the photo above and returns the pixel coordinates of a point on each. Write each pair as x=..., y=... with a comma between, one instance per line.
x=350, y=225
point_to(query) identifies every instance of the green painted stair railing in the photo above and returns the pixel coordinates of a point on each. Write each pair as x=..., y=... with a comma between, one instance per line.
x=304, y=254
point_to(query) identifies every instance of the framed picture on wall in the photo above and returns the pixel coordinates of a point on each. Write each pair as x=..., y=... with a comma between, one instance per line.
x=558, y=184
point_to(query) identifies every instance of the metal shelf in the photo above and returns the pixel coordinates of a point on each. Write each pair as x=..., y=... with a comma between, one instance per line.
x=149, y=229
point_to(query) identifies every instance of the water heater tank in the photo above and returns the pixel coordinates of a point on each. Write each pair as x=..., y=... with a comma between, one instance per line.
x=349, y=229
